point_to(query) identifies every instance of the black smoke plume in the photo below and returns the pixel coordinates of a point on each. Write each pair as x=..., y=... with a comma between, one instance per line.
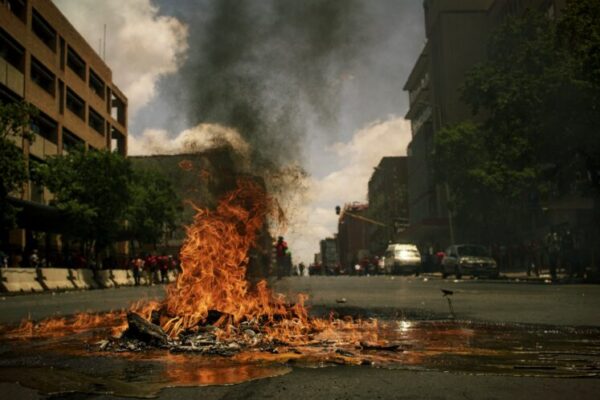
x=268, y=68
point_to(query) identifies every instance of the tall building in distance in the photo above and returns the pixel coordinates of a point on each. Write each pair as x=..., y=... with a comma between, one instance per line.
x=388, y=202
x=44, y=61
x=329, y=255
x=354, y=230
x=457, y=33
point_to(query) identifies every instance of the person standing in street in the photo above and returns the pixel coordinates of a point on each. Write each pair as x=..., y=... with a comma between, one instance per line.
x=553, y=249
x=281, y=250
x=137, y=266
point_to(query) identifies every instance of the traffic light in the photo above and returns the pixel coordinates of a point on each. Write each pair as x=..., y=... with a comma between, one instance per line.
x=338, y=210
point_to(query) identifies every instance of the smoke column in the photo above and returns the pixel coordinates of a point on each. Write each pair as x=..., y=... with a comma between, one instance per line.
x=268, y=69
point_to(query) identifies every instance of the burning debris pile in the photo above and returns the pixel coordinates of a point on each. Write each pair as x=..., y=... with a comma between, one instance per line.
x=208, y=339
x=212, y=289
x=213, y=309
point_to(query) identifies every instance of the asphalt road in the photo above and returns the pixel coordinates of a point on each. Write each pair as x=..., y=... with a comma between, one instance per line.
x=481, y=300
x=413, y=298
x=340, y=383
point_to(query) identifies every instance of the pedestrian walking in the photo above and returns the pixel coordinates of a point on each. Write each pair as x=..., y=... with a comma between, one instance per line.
x=533, y=259
x=34, y=259
x=163, y=266
x=3, y=259
x=553, y=250
x=137, y=266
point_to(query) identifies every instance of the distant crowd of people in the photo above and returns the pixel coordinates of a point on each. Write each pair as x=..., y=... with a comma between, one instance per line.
x=151, y=266
x=154, y=268
x=53, y=259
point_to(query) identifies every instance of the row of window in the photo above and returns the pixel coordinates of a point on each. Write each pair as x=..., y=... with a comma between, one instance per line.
x=14, y=53
x=47, y=34
x=46, y=127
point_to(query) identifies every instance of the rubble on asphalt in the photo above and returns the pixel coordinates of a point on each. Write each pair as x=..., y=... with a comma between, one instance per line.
x=142, y=335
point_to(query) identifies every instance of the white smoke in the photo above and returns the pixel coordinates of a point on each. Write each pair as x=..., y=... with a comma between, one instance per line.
x=314, y=217
x=141, y=45
x=200, y=138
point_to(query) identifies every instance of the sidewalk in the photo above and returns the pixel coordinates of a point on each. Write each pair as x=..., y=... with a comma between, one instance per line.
x=562, y=277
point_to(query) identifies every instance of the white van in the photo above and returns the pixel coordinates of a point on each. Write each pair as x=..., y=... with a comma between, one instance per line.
x=402, y=259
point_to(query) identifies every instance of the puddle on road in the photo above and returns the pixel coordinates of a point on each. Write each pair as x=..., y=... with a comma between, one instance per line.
x=74, y=364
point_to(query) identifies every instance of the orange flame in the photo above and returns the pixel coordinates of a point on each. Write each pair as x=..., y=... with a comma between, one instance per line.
x=214, y=263
x=213, y=279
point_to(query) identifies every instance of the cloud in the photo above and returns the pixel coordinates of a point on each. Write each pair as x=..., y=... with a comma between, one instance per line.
x=197, y=139
x=315, y=217
x=141, y=45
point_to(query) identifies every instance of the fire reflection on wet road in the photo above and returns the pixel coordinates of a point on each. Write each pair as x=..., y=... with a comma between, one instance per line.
x=75, y=364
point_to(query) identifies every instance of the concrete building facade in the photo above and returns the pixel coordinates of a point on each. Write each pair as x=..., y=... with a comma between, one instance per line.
x=329, y=255
x=456, y=33
x=354, y=231
x=388, y=202
x=44, y=61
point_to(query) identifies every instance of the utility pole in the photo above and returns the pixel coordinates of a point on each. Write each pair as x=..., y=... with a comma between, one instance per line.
x=450, y=222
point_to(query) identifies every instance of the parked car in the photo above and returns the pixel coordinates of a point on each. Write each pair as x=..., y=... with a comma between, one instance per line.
x=468, y=259
x=402, y=259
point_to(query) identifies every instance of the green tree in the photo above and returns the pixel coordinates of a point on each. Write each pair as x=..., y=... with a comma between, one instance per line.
x=14, y=126
x=92, y=189
x=154, y=208
x=535, y=119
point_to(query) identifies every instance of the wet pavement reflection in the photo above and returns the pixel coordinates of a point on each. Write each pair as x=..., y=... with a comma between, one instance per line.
x=74, y=363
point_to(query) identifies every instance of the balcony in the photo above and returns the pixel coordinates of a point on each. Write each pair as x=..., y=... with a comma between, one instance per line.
x=420, y=119
x=421, y=89
x=42, y=147
x=12, y=78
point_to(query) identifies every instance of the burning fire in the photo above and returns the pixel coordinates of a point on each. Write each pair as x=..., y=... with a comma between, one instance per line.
x=213, y=278
x=212, y=288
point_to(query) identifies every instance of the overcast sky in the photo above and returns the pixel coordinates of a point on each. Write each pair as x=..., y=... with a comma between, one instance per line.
x=314, y=83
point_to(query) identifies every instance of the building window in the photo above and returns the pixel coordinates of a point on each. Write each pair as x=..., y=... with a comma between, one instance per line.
x=96, y=121
x=18, y=8
x=11, y=51
x=75, y=104
x=43, y=30
x=42, y=76
x=118, y=109
x=97, y=84
x=45, y=127
x=71, y=142
x=117, y=142
x=75, y=63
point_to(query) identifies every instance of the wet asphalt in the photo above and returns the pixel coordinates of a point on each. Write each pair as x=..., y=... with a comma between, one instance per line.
x=408, y=297
x=403, y=297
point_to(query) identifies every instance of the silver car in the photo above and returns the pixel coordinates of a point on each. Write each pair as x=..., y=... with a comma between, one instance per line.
x=468, y=259
x=402, y=258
